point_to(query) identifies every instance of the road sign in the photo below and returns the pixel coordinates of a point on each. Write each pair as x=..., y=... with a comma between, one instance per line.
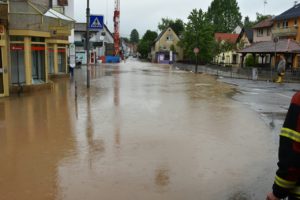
x=96, y=22
x=196, y=50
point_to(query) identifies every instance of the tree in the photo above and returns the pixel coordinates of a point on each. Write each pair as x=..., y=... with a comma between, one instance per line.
x=224, y=15
x=177, y=25
x=134, y=36
x=198, y=33
x=248, y=23
x=259, y=18
x=144, y=46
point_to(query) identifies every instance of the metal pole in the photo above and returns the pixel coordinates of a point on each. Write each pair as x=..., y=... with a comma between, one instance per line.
x=275, y=62
x=87, y=40
x=196, y=69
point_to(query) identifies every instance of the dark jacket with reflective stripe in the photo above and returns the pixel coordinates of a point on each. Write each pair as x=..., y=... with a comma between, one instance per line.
x=287, y=181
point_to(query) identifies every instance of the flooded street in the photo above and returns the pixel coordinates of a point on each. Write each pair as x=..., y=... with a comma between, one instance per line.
x=141, y=132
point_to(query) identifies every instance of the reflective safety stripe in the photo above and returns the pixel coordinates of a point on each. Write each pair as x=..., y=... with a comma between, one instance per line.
x=284, y=183
x=291, y=134
x=296, y=191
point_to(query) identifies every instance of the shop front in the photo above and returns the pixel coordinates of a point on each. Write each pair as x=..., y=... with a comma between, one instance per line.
x=38, y=39
x=57, y=57
x=28, y=58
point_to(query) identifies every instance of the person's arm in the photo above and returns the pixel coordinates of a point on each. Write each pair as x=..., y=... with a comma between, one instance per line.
x=288, y=172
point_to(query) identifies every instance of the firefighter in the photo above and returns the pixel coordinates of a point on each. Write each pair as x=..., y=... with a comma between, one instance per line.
x=287, y=180
x=281, y=69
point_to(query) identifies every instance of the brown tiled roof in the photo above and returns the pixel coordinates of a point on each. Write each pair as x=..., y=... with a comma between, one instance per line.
x=264, y=24
x=283, y=46
x=230, y=37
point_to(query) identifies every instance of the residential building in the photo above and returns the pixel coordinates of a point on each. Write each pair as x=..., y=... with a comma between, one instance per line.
x=245, y=38
x=165, y=48
x=286, y=24
x=263, y=30
x=285, y=30
x=38, y=44
x=227, y=57
x=102, y=43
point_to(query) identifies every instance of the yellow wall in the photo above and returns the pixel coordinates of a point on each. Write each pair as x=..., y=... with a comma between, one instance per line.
x=291, y=23
x=28, y=60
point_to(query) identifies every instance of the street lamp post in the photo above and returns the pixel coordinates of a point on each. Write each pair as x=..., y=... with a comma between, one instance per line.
x=87, y=40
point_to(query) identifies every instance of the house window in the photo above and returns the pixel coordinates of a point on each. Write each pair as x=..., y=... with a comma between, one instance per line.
x=285, y=24
x=296, y=23
x=62, y=2
x=170, y=38
x=260, y=32
x=278, y=24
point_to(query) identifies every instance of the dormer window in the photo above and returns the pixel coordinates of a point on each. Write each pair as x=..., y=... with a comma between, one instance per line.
x=170, y=37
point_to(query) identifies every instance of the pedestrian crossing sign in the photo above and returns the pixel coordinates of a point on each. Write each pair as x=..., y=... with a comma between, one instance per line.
x=96, y=22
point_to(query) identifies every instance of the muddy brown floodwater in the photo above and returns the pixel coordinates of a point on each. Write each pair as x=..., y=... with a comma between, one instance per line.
x=142, y=132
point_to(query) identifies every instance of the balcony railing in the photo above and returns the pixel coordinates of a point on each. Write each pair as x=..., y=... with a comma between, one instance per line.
x=289, y=31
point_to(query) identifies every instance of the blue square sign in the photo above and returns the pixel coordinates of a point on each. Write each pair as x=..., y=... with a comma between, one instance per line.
x=96, y=22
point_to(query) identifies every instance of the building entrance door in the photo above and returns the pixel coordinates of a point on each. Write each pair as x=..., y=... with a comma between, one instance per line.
x=1, y=73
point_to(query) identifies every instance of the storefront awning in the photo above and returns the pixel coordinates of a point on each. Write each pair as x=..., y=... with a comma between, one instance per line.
x=54, y=14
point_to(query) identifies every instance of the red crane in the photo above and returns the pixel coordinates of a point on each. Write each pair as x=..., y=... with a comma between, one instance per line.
x=117, y=28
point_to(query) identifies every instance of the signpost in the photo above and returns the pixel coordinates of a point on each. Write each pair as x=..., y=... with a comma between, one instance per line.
x=88, y=44
x=196, y=51
x=96, y=22
x=93, y=22
x=275, y=40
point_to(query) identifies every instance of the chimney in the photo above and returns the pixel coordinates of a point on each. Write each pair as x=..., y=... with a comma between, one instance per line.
x=295, y=3
x=50, y=4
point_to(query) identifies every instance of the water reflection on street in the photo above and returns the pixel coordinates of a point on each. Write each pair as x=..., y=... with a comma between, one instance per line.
x=141, y=131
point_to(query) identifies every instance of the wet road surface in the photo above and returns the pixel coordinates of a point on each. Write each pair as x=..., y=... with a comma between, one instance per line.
x=141, y=131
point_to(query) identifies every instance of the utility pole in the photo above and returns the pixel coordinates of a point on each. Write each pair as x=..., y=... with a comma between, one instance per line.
x=87, y=40
x=265, y=3
x=275, y=40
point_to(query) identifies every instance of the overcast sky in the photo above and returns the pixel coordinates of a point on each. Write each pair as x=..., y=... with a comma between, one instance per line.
x=146, y=14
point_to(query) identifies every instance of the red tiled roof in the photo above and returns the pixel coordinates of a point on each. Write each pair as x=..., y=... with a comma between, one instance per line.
x=230, y=37
x=283, y=46
x=264, y=24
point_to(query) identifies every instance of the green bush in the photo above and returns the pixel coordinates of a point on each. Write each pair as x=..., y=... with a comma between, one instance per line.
x=250, y=61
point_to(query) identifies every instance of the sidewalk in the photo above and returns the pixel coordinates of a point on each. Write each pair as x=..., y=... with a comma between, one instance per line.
x=239, y=73
x=270, y=100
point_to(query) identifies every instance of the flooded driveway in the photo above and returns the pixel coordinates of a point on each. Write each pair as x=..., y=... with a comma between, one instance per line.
x=141, y=131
